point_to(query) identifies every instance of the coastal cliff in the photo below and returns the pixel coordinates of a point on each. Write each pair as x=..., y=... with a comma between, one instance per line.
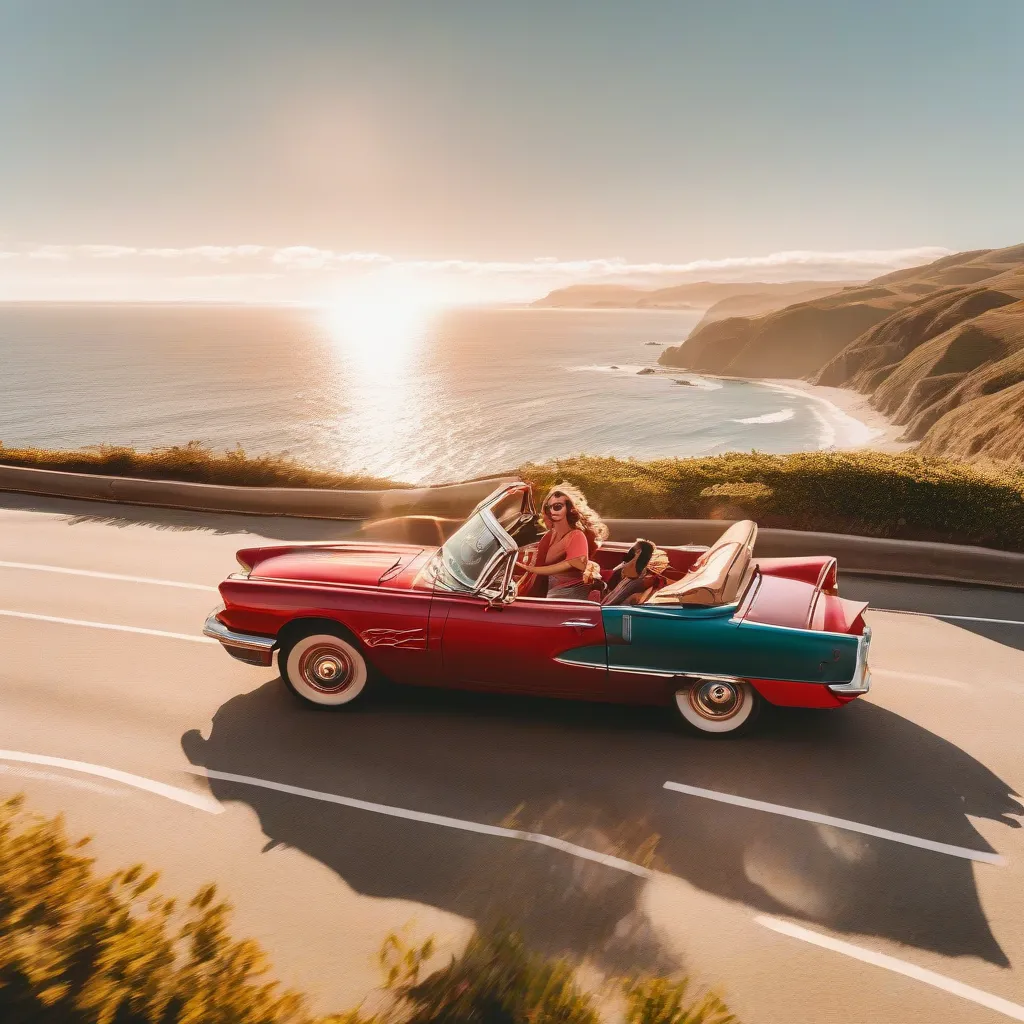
x=939, y=349
x=747, y=297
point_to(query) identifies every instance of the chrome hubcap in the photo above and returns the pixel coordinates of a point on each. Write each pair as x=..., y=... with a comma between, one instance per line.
x=326, y=669
x=715, y=699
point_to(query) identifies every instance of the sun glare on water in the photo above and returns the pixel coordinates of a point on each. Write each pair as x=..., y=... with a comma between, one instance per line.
x=378, y=337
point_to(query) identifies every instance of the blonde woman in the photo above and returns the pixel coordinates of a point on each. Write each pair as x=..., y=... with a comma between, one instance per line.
x=574, y=533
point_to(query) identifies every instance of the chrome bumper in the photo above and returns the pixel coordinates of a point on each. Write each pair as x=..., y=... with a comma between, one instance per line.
x=861, y=681
x=247, y=647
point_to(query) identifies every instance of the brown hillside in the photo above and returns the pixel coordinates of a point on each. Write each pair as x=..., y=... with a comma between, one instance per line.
x=883, y=346
x=692, y=295
x=799, y=340
x=792, y=342
x=992, y=426
x=756, y=303
x=939, y=348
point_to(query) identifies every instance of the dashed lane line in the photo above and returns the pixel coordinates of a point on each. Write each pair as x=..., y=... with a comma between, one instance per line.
x=431, y=819
x=106, y=625
x=106, y=576
x=890, y=963
x=827, y=819
x=182, y=796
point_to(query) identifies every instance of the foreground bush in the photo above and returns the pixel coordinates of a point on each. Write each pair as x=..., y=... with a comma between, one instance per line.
x=79, y=948
x=867, y=493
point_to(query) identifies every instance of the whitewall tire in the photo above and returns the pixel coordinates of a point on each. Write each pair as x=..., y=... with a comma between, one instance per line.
x=718, y=706
x=324, y=669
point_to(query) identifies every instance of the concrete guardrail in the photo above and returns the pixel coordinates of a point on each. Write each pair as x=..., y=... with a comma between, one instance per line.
x=862, y=555
x=444, y=500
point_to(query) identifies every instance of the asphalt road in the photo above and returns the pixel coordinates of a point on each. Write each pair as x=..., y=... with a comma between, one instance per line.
x=793, y=920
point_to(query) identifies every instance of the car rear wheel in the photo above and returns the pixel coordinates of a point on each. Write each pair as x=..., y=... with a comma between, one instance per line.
x=718, y=706
x=324, y=669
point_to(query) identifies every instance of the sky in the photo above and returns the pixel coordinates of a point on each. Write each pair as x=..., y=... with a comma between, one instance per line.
x=243, y=149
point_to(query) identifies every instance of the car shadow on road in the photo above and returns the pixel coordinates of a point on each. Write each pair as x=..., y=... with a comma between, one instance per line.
x=594, y=774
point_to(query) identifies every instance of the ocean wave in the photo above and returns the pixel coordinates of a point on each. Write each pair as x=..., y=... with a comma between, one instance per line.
x=839, y=430
x=705, y=384
x=772, y=417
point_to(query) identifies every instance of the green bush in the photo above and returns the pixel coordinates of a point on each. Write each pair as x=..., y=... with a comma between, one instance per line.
x=80, y=948
x=867, y=493
x=661, y=1001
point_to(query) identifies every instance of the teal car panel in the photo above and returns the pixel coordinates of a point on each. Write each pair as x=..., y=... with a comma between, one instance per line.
x=712, y=641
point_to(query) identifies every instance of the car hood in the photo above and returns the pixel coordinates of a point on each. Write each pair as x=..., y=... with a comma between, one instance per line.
x=363, y=564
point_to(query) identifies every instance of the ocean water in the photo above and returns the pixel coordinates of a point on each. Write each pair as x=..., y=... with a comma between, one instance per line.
x=386, y=391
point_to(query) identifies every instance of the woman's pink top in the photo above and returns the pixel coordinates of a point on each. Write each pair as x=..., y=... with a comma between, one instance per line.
x=574, y=546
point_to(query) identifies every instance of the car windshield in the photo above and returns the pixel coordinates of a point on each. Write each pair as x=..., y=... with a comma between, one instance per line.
x=466, y=555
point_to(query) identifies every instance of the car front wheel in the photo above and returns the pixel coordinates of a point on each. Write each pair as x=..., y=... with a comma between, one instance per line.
x=718, y=706
x=324, y=669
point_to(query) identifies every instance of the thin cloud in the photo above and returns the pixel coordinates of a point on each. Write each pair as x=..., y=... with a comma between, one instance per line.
x=57, y=253
x=312, y=271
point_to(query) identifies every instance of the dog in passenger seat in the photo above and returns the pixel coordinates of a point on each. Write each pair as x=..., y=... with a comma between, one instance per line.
x=639, y=572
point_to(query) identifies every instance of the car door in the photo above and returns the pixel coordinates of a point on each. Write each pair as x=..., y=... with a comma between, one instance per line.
x=541, y=646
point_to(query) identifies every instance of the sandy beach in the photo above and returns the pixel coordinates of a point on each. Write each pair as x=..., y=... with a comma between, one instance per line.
x=869, y=429
x=849, y=421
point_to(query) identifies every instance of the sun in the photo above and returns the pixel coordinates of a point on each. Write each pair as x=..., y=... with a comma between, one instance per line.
x=378, y=329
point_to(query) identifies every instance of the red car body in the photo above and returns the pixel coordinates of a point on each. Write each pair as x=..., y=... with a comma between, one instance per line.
x=788, y=635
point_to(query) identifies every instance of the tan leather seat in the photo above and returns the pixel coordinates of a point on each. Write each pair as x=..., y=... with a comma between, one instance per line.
x=720, y=575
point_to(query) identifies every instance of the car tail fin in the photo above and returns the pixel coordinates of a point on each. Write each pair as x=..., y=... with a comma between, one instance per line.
x=838, y=615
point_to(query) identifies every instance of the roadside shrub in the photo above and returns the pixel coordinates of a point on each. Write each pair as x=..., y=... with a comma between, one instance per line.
x=80, y=948
x=868, y=493
x=498, y=981
x=873, y=494
x=194, y=462
x=660, y=1001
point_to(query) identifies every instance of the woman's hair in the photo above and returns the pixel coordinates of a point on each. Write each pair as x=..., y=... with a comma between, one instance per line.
x=578, y=512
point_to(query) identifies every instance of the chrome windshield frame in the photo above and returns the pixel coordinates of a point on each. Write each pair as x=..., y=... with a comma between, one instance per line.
x=506, y=547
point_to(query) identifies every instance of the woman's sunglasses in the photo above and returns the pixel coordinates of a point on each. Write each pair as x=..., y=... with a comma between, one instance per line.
x=554, y=506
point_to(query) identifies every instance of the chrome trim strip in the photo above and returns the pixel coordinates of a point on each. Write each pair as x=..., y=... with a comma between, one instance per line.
x=644, y=672
x=627, y=629
x=580, y=664
x=229, y=638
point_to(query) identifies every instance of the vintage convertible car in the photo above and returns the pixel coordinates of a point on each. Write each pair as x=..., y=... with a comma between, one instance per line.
x=714, y=636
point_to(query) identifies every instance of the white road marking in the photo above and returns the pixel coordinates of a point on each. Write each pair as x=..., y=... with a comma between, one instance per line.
x=107, y=625
x=431, y=819
x=65, y=780
x=950, y=618
x=105, y=575
x=827, y=819
x=182, y=796
x=890, y=963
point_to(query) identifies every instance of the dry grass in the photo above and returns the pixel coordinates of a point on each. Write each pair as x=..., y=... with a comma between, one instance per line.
x=194, y=462
x=872, y=494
